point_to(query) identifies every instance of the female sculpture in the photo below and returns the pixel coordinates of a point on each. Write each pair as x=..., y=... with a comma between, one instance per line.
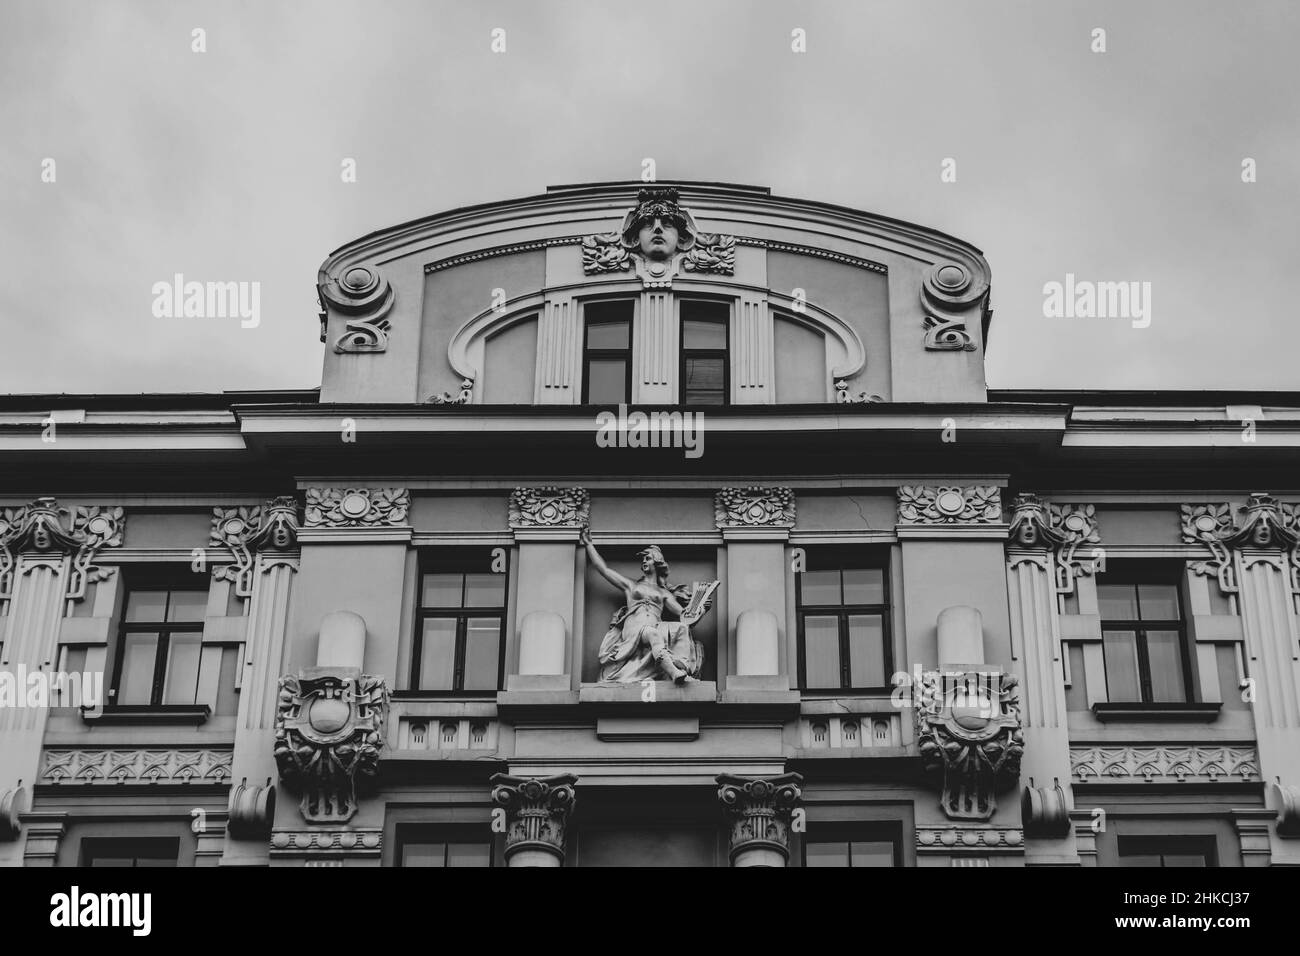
x=640, y=644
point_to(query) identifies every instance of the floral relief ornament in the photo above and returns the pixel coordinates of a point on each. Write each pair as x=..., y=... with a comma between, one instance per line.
x=754, y=506
x=927, y=504
x=356, y=507
x=549, y=506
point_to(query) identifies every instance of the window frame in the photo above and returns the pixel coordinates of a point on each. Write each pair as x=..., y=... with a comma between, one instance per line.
x=1150, y=574
x=450, y=564
x=1205, y=845
x=164, y=629
x=589, y=353
x=863, y=831
x=724, y=353
x=417, y=833
x=132, y=847
x=843, y=612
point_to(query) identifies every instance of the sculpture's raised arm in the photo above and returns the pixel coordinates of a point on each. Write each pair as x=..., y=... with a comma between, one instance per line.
x=610, y=575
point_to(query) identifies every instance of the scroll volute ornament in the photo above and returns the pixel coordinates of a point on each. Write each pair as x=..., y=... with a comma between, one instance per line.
x=761, y=810
x=537, y=811
x=949, y=293
x=365, y=297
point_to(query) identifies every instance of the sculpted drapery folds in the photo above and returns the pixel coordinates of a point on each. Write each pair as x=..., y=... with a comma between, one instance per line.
x=640, y=644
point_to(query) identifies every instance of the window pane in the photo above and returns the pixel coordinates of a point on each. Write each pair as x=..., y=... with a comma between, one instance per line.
x=1164, y=654
x=703, y=334
x=135, y=686
x=485, y=590
x=821, y=637
x=187, y=606
x=424, y=854
x=154, y=861
x=606, y=381
x=866, y=650
x=469, y=854
x=1179, y=859
x=705, y=383
x=438, y=654
x=442, y=590
x=145, y=606
x=1117, y=602
x=864, y=586
x=1159, y=602
x=871, y=854
x=1120, y=650
x=482, y=652
x=819, y=588
x=607, y=335
x=1138, y=859
x=826, y=854
x=181, y=681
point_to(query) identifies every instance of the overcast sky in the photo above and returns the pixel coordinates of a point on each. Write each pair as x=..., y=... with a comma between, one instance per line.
x=225, y=165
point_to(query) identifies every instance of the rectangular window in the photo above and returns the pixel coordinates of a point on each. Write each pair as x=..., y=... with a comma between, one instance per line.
x=1144, y=635
x=704, y=373
x=160, y=646
x=607, y=353
x=853, y=845
x=129, y=851
x=1168, y=851
x=442, y=846
x=843, y=615
x=461, y=625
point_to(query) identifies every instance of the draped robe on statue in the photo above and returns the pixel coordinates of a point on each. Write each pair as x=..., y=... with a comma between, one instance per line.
x=628, y=652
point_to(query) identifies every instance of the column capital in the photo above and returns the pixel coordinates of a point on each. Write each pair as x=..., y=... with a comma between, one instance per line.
x=537, y=811
x=761, y=809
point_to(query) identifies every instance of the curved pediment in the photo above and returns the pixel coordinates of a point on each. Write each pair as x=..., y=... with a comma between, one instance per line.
x=901, y=310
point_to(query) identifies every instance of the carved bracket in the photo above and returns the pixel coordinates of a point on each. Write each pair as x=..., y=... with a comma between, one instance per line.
x=39, y=529
x=760, y=811
x=754, y=507
x=1060, y=529
x=969, y=734
x=537, y=810
x=1265, y=524
x=329, y=732
x=247, y=530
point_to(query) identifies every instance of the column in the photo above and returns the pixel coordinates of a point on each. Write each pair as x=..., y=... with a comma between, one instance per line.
x=545, y=522
x=755, y=523
x=45, y=564
x=1041, y=565
x=535, y=811
x=761, y=810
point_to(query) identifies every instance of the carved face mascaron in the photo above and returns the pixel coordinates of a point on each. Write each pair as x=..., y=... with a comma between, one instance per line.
x=658, y=238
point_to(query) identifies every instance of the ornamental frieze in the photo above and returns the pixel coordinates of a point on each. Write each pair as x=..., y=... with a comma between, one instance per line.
x=1171, y=764
x=248, y=529
x=549, y=507
x=969, y=838
x=969, y=735
x=44, y=529
x=124, y=765
x=329, y=731
x=356, y=507
x=658, y=240
x=939, y=505
x=754, y=507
